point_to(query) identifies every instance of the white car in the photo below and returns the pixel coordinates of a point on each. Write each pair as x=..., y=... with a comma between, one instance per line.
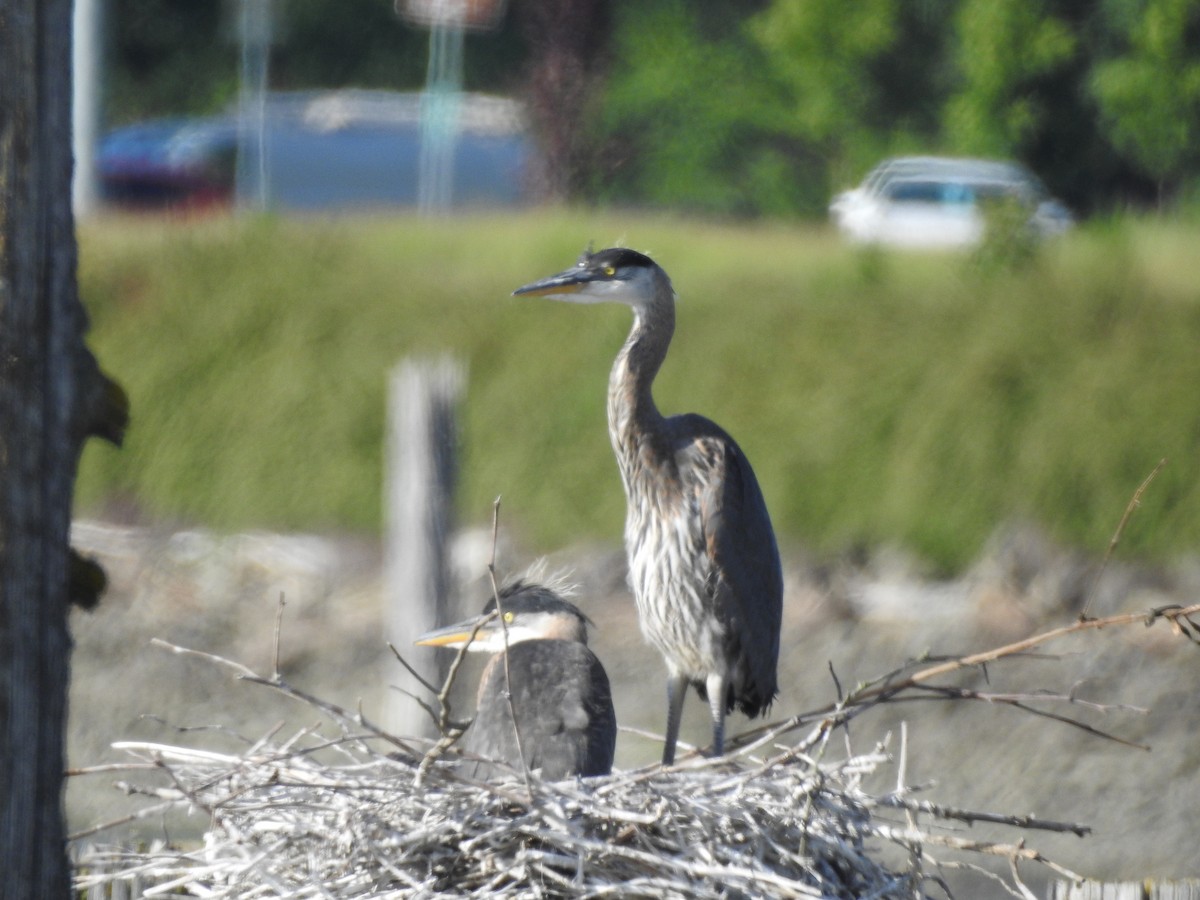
x=933, y=201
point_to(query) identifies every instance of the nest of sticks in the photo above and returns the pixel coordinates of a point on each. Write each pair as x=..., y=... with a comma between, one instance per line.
x=347, y=810
x=357, y=815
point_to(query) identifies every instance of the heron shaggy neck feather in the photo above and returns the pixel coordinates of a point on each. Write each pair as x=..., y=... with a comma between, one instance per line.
x=635, y=424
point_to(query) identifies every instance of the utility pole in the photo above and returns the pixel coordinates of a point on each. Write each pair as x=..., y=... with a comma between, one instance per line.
x=87, y=77
x=442, y=99
x=255, y=33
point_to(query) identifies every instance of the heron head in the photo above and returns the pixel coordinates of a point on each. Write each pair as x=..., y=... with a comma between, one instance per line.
x=527, y=612
x=617, y=274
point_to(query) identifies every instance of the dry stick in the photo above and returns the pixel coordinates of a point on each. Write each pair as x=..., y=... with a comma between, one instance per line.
x=971, y=817
x=442, y=718
x=415, y=674
x=450, y=731
x=452, y=675
x=334, y=711
x=275, y=644
x=989, y=848
x=977, y=659
x=145, y=813
x=512, y=711
x=1134, y=503
x=1026, y=894
x=409, y=694
x=1017, y=701
x=886, y=691
x=186, y=729
x=910, y=814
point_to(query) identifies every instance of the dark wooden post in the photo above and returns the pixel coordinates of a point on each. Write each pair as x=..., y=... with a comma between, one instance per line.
x=52, y=395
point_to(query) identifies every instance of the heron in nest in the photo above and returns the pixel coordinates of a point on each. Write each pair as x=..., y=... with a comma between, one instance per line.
x=559, y=691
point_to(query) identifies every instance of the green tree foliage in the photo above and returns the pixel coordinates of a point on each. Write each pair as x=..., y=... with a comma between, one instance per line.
x=859, y=80
x=1150, y=94
x=168, y=58
x=1005, y=52
x=822, y=51
x=689, y=120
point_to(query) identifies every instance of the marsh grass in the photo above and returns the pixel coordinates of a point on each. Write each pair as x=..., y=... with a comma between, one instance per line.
x=922, y=399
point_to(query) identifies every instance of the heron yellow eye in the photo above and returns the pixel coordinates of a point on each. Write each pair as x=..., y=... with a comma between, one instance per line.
x=609, y=271
x=508, y=617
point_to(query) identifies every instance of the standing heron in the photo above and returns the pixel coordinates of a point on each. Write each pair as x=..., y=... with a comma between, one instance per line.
x=558, y=688
x=703, y=562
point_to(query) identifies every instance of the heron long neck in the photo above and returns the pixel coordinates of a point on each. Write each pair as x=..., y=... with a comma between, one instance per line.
x=634, y=422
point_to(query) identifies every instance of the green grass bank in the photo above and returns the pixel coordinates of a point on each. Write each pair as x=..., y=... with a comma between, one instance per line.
x=921, y=399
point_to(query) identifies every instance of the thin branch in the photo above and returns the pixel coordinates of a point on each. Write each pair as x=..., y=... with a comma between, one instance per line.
x=889, y=688
x=433, y=716
x=1021, y=646
x=414, y=673
x=1134, y=503
x=512, y=710
x=443, y=696
x=144, y=813
x=237, y=667
x=275, y=644
x=971, y=817
x=331, y=709
x=1017, y=702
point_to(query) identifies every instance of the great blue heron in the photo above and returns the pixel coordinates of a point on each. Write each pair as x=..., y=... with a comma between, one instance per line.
x=559, y=690
x=703, y=562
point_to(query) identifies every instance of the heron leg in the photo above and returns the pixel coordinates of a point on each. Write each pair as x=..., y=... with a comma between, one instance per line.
x=676, y=690
x=714, y=686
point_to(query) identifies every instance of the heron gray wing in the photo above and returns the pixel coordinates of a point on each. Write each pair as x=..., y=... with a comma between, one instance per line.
x=491, y=735
x=601, y=743
x=746, y=578
x=563, y=703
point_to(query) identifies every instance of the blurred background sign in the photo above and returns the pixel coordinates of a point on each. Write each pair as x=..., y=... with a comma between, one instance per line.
x=256, y=33
x=441, y=100
x=474, y=15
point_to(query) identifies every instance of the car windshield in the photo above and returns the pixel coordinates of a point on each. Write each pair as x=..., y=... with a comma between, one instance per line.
x=952, y=191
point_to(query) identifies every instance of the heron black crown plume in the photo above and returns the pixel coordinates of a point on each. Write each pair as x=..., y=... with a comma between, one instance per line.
x=524, y=597
x=616, y=258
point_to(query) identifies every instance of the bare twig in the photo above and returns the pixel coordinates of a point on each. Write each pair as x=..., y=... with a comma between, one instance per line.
x=1134, y=503
x=242, y=671
x=275, y=644
x=971, y=817
x=1021, y=702
x=334, y=711
x=977, y=659
x=504, y=626
x=896, y=686
x=414, y=673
